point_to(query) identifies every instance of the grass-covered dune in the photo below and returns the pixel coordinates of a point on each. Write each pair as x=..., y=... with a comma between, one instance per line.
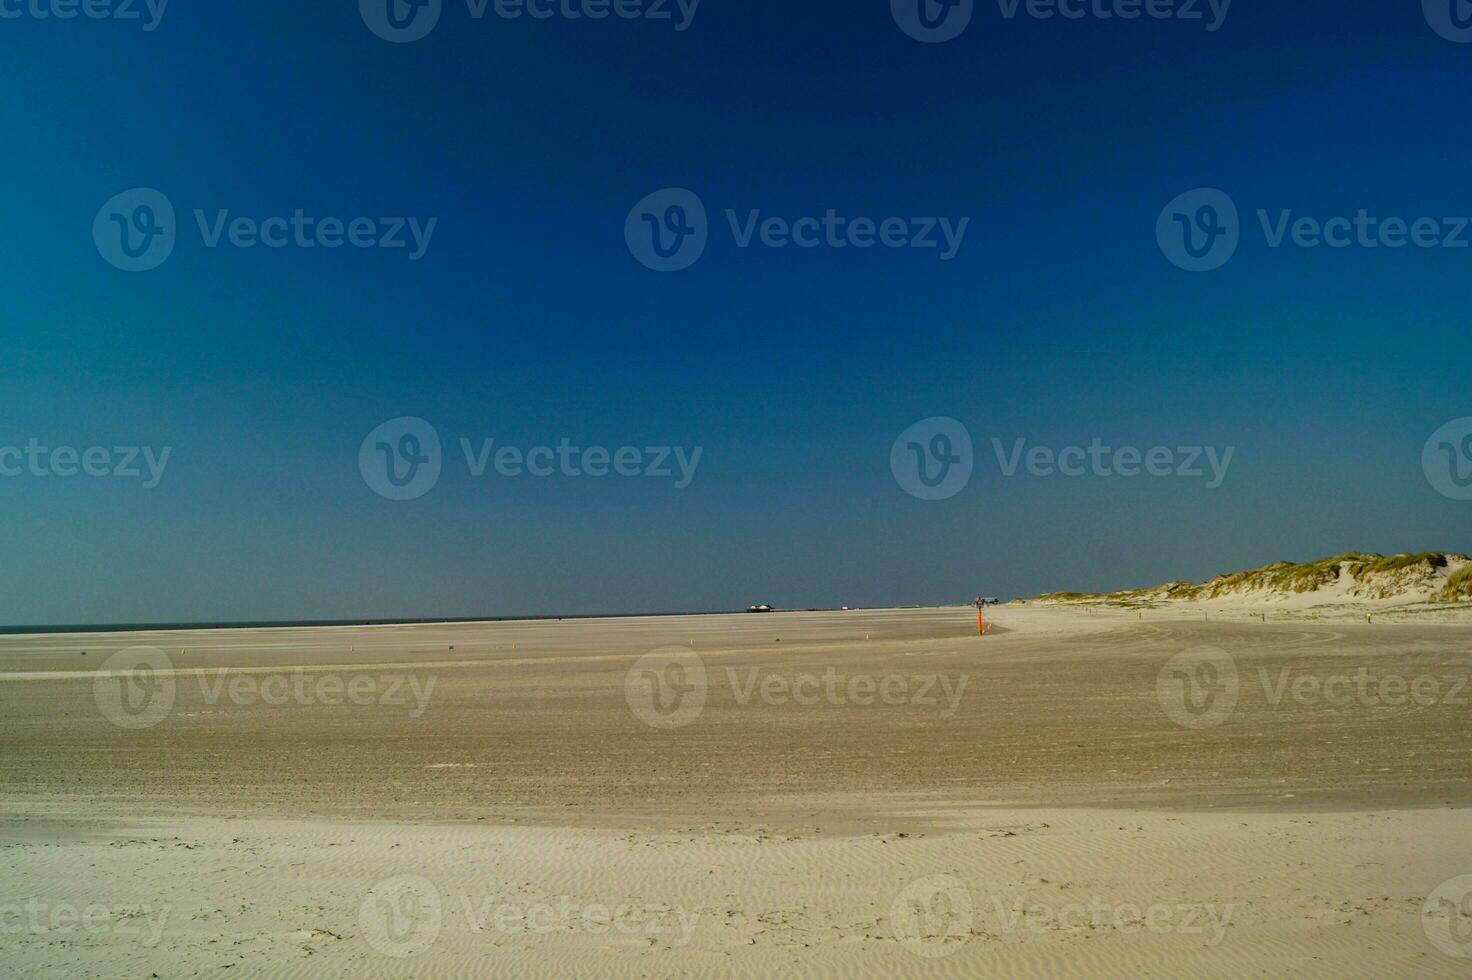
x=1429, y=576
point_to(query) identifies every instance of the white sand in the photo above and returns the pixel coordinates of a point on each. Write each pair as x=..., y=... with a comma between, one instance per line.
x=1001, y=893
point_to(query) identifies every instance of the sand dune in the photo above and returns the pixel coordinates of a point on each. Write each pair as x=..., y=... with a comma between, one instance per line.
x=1427, y=582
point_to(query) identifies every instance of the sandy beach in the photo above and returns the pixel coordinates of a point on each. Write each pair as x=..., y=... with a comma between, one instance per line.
x=1086, y=792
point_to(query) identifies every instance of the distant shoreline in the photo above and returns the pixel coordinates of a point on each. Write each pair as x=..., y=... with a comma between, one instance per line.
x=432, y=621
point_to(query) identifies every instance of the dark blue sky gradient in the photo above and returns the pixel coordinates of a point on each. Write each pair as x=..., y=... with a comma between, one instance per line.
x=529, y=321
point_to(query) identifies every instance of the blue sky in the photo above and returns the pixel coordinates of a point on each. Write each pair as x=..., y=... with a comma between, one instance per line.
x=527, y=320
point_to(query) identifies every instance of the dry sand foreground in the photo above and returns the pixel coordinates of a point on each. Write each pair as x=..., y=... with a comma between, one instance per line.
x=1081, y=793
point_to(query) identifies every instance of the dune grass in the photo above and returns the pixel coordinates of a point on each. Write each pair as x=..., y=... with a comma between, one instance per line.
x=1458, y=587
x=1390, y=573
